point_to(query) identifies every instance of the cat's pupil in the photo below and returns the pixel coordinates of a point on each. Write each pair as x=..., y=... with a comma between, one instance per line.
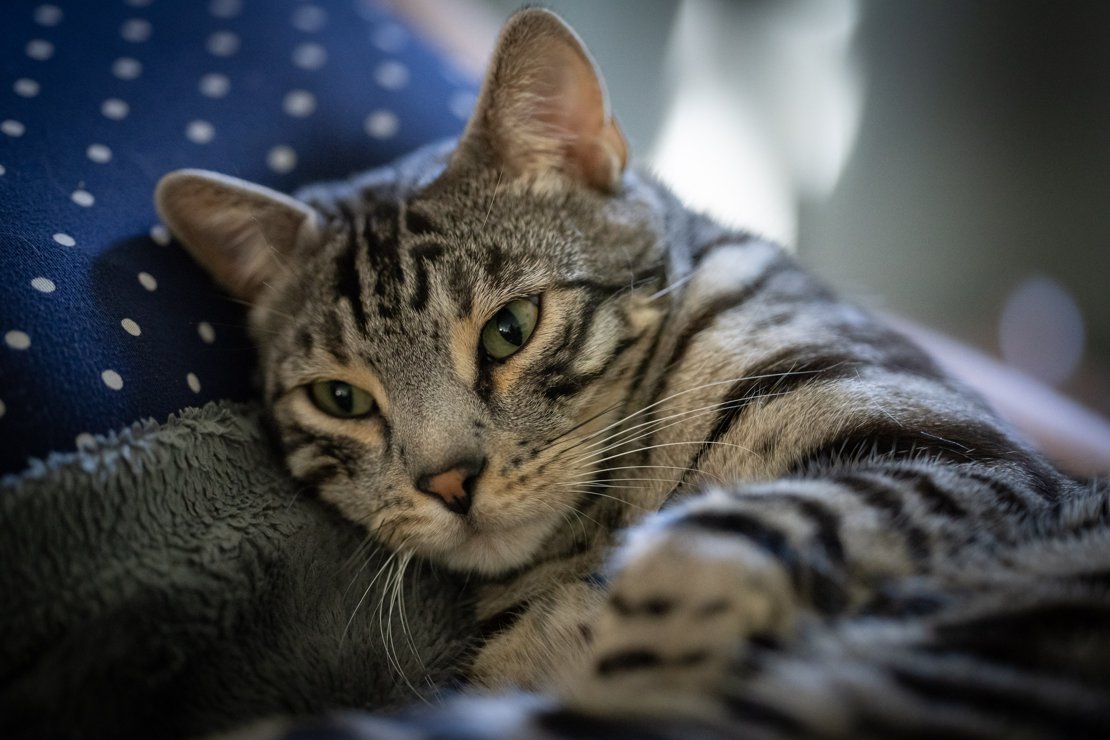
x=508, y=326
x=343, y=396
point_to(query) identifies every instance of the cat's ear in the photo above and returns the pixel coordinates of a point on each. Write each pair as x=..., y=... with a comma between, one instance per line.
x=238, y=231
x=543, y=108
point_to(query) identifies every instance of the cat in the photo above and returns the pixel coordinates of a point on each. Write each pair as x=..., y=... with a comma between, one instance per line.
x=696, y=483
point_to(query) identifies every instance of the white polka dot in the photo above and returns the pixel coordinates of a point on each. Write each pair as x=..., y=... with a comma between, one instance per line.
x=462, y=104
x=139, y=3
x=17, y=339
x=82, y=198
x=225, y=8
x=135, y=30
x=160, y=234
x=3, y=408
x=309, y=56
x=12, y=128
x=200, y=132
x=281, y=159
x=99, y=153
x=389, y=37
x=112, y=379
x=309, y=18
x=126, y=68
x=206, y=332
x=39, y=49
x=214, y=85
x=85, y=441
x=222, y=44
x=25, y=88
x=115, y=109
x=147, y=281
x=48, y=15
x=43, y=285
x=64, y=239
x=391, y=75
x=299, y=103
x=2, y=169
x=381, y=124
x=194, y=382
x=131, y=327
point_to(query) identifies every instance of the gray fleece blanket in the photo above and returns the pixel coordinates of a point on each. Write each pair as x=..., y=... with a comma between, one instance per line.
x=169, y=582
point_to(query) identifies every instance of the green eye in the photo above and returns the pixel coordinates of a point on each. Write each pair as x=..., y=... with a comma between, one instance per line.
x=510, y=328
x=336, y=398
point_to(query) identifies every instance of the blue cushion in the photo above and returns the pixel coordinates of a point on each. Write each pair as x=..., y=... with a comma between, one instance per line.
x=102, y=320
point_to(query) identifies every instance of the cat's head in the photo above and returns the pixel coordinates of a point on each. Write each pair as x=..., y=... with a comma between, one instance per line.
x=440, y=363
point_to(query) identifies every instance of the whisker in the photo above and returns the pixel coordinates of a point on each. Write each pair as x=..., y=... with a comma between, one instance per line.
x=395, y=598
x=682, y=417
x=673, y=444
x=492, y=198
x=606, y=482
x=683, y=468
x=270, y=309
x=365, y=593
x=673, y=286
x=366, y=558
x=599, y=494
x=722, y=405
x=683, y=392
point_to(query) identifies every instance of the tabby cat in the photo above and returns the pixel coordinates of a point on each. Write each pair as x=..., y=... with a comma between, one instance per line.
x=698, y=484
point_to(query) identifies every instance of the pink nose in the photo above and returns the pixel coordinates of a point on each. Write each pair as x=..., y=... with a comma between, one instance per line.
x=453, y=486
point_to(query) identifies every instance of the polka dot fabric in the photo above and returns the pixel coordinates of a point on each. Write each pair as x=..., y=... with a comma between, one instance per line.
x=105, y=320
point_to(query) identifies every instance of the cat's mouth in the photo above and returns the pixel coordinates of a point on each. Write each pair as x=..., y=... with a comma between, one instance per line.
x=490, y=545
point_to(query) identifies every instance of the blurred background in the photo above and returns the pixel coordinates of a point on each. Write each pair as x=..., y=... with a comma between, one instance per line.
x=943, y=160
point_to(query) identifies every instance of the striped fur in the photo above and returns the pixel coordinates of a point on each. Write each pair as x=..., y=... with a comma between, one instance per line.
x=712, y=490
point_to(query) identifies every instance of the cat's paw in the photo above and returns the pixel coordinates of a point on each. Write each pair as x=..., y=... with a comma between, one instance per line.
x=683, y=604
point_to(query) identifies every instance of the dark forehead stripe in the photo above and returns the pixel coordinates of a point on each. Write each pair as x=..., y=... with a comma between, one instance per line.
x=423, y=257
x=382, y=227
x=348, y=280
x=419, y=224
x=460, y=285
x=332, y=337
x=383, y=252
x=501, y=267
x=305, y=341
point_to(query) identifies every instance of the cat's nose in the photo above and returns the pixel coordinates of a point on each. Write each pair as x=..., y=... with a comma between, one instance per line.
x=454, y=486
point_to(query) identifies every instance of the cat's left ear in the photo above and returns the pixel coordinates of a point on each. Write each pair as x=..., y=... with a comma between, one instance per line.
x=543, y=109
x=238, y=231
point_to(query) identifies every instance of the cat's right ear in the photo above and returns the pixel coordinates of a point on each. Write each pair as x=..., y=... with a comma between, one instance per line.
x=543, y=109
x=238, y=231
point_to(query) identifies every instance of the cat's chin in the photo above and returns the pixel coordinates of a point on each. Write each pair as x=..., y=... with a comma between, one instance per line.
x=470, y=547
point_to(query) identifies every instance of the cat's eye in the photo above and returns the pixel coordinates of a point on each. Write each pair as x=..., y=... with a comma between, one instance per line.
x=510, y=327
x=336, y=398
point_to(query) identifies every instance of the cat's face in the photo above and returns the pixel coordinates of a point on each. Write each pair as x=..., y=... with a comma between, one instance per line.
x=495, y=334
x=441, y=364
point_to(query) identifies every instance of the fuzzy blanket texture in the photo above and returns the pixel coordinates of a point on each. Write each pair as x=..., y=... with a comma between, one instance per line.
x=169, y=581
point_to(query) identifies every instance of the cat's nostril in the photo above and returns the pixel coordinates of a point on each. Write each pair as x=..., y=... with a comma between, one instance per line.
x=454, y=486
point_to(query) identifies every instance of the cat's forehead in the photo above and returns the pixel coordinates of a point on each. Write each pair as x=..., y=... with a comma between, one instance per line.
x=398, y=277
x=402, y=275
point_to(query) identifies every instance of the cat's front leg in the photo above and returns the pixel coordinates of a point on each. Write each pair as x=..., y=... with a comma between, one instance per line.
x=681, y=607
x=537, y=628
x=695, y=584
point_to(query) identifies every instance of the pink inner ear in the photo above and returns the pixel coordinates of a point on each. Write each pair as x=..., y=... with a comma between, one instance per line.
x=574, y=107
x=572, y=99
x=543, y=109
